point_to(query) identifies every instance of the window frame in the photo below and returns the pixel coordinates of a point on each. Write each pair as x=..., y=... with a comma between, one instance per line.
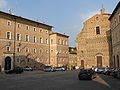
x=18, y=25
x=17, y=49
x=27, y=27
x=35, y=50
x=9, y=23
x=8, y=50
x=41, y=39
x=26, y=49
x=97, y=29
x=34, y=29
x=34, y=39
x=7, y=35
x=27, y=38
x=18, y=38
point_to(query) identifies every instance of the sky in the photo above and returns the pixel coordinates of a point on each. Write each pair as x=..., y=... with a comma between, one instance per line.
x=67, y=16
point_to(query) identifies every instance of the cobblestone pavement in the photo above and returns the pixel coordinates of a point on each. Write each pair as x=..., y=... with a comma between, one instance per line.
x=64, y=80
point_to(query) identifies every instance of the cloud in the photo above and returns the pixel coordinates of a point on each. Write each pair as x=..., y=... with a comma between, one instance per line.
x=3, y=3
x=84, y=17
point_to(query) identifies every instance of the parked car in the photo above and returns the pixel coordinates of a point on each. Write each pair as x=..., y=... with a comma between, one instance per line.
x=96, y=69
x=93, y=68
x=100, y=70
x=118, y=74
x=115, y=73
x=86, y=74
x=59, y=68
x=28, y=69
x=16, y=70
x=109, y=70
x=48, y=69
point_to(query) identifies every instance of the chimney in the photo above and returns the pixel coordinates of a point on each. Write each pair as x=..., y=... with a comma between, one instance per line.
x=102, y=11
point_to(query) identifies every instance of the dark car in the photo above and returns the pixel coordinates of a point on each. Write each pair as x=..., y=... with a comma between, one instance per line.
x=115, y=73
x=48, y=69
x=86, y=74
x=16, y=70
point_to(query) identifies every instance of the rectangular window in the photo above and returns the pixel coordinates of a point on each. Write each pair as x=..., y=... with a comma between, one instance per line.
x=18, y=25
x=8, y=23
x=98, y=30
x=41, y=30
x=34, y=29
x=26, y=49
x=8, y=49
x=41, y=40
x=18, y=49
x=35, y=39
x=46, y=31
x=18, y=37
x=8, y=35
x=27, y=27
x=27, y=38
x=46, y=41
x=35, y=51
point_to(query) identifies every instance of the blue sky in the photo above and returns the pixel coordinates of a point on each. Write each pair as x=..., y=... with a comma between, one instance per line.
x=67, y=16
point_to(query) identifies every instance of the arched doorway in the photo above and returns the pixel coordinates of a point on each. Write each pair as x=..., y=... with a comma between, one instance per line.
x=7, y=63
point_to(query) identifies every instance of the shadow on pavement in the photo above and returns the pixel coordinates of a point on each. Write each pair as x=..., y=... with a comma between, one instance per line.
x=113, y=83
x=54, y=81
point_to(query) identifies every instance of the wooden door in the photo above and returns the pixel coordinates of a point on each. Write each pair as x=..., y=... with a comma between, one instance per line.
x=82, y=63
x=99, y=61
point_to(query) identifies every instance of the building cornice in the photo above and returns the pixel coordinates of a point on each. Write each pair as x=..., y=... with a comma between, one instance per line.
x=19, y=17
